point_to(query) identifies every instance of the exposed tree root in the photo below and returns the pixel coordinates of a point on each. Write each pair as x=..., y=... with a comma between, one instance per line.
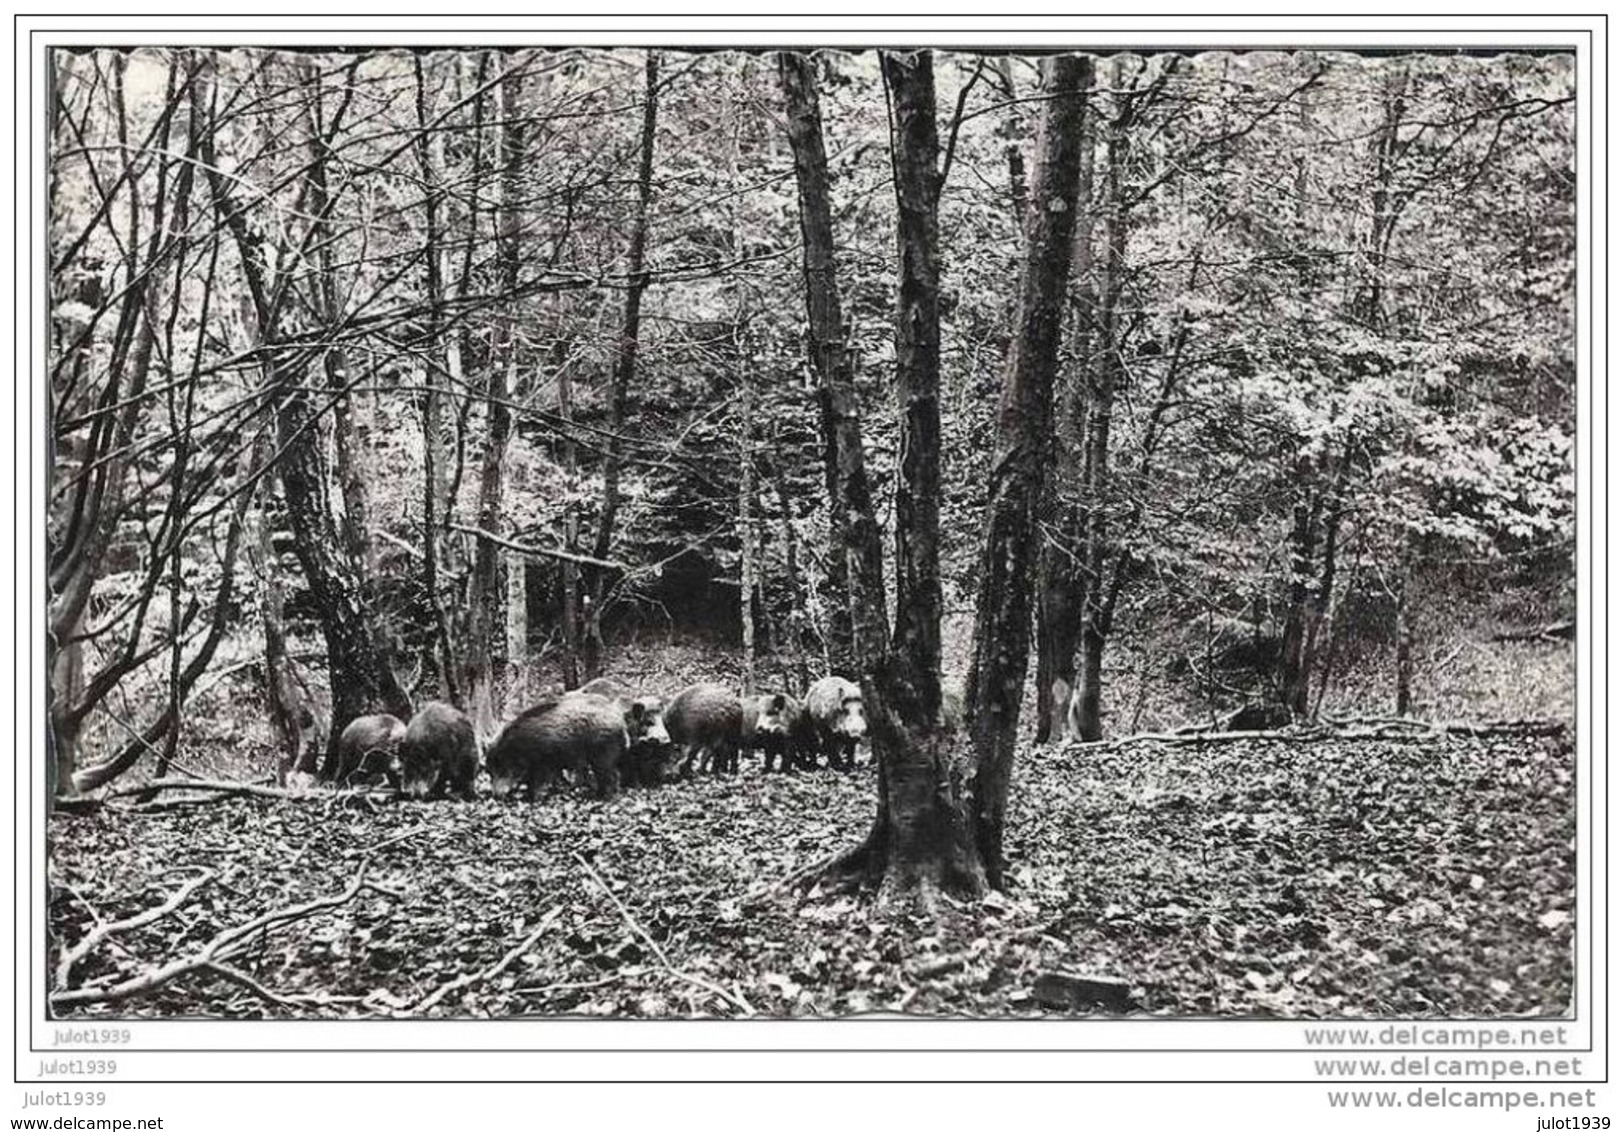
x=868, y=869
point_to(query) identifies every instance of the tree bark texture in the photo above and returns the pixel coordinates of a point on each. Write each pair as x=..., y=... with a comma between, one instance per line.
x=487, y=607
x=922, y=839
x=1087, y=708
x=853, y=535
x=442, y=347
x=1025, y=420
x=1060, y=579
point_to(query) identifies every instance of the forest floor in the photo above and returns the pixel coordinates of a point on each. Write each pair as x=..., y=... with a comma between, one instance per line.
x=1286, y=877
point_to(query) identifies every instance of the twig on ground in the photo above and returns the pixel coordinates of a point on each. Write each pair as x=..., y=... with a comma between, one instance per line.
x=659, y=953
x=1339, y=728
x=212, y=786
x=792, y=879
x=559, y=988
x=221, y=947
x=395, y=840
x=491, y=971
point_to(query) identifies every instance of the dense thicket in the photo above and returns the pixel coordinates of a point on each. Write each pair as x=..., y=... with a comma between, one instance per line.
x=381, y=374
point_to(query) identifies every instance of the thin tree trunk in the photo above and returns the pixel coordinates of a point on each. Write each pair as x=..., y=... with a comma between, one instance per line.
x=1025, y=420
x=1019, y=193
x=516, y=651
x=625, y=360
x=795, y=631
x=456, y=565
x=156, y=732
x=1086, y=713
x=431, y=160
x=746, y=525
x=487, y=606
x=286, y=707
x=1405, y=643
x=843, y=467
x=1317, y=603
x=570, y=571
x=747, y=542
x=1295, y=675
x=1060, y=580
x=79, y=542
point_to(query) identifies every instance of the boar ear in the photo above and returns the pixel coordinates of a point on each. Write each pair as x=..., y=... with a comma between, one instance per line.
x=638, y=710
x=778, y=701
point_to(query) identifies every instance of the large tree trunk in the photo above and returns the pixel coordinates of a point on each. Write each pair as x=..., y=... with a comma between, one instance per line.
x=923, y=839
x=1060, y=579
x=349, y=438
x=831, y=360
x=487, y=617
x=361, y=677
x=66, y=686
x=1003, y=610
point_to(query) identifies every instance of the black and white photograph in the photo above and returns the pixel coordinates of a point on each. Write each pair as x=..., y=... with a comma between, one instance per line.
x=801, y=532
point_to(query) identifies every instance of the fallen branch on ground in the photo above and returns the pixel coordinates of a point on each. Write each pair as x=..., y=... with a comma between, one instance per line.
x=1379, y=728
x=212, y=956
x=659, y=953
x=227, y=786
x=559, y=988
x=106, y=929
x=1557, y=631
x=490, y=972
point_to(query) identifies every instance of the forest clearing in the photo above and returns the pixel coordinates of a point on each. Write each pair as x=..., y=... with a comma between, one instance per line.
x=648, y=534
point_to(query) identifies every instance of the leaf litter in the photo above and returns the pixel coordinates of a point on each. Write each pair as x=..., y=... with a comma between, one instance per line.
x=1271, y=877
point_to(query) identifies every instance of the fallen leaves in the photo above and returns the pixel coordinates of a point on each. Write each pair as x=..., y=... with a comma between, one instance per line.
x=1259, y=877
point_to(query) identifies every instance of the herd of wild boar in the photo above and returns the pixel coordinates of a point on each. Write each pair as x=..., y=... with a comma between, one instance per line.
x=606, y=732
